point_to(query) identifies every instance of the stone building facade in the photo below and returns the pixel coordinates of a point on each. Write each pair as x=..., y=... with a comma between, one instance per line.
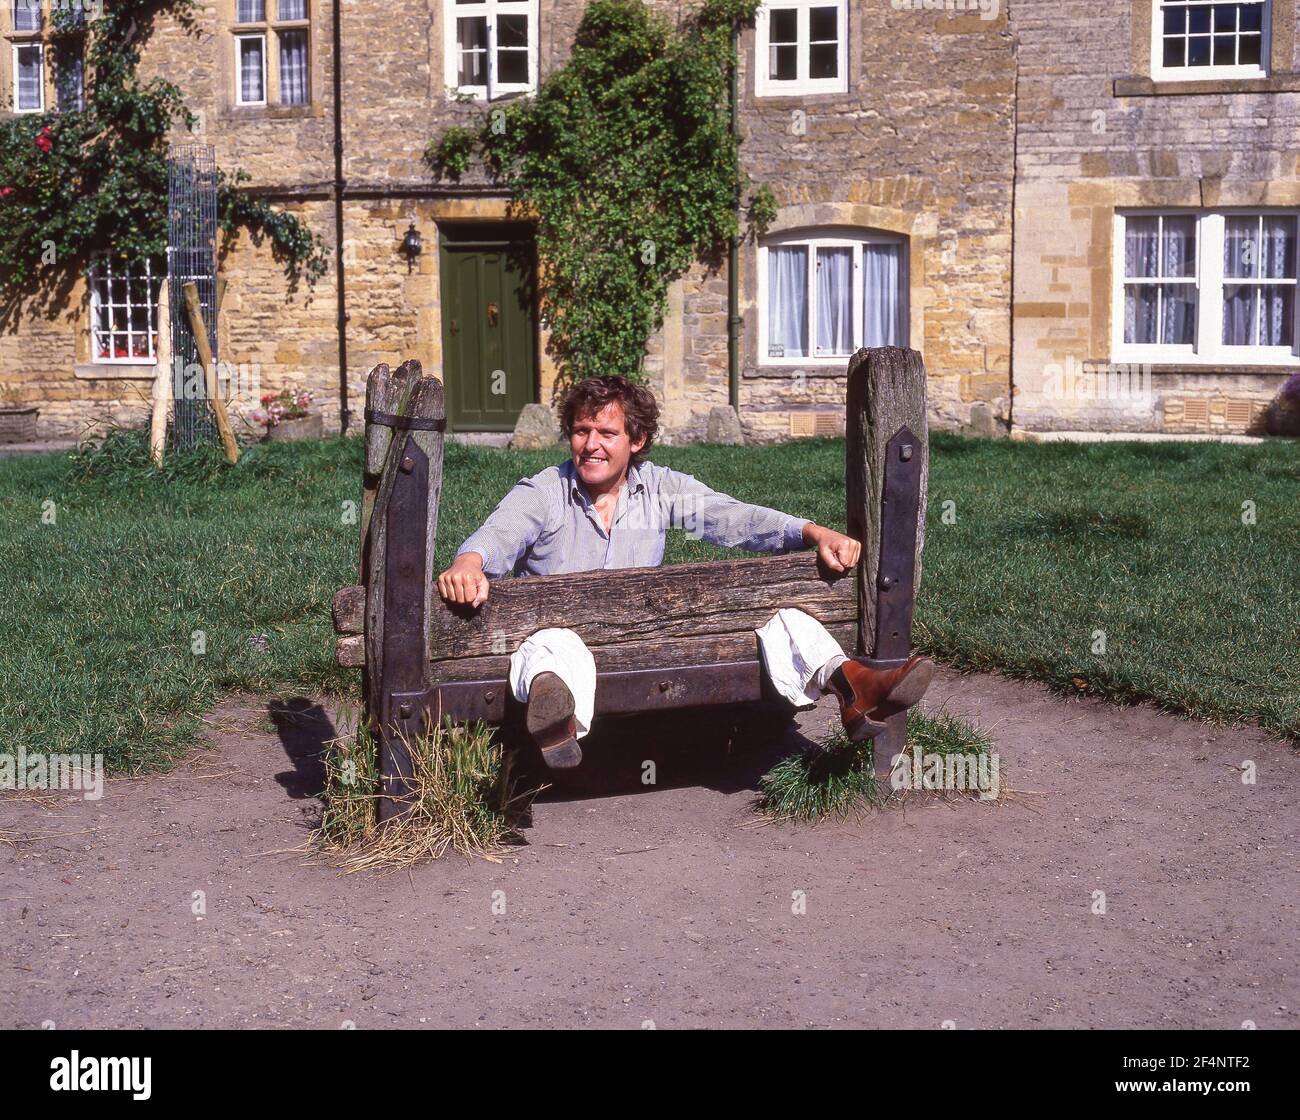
x=912, y=147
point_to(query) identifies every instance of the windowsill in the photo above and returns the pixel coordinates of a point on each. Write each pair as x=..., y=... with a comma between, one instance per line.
x=1148, y=87
x=1167, y=368
x=776, y=97
x=111, y=371
x=271, y=112
x=809, y=369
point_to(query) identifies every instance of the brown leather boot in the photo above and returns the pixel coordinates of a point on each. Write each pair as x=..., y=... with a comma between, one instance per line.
x=550, y=722
x=870, y=696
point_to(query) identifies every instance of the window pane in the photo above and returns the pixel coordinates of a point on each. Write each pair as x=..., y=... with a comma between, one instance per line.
x=1225, y=17
x=293, y=68
x=1252, y=17
x=783, y=26
x=783, y=63
x=293, y=9
x=512, y=68
x=250, y=11
x=787, y=301
x=31, y=77
x=1241, y=247
x=27, y=15
x=1277, y=315
x=124, y=306
x=823, y=60
x=1198, y=19
x=1240, y=310
x=1198, y=50
x=882, y=311
x=1225, y=50
x=251, y=87
x=471, y=37
x=1277, y=256
x=1179, y=314
x=821, y=24
x=1175, y=21
x=1249, y=51
x=512, y=31
x=1140, y=303
x=1178, y=253
x=834, y=288
x=1175, y=52
x=1140, y=246
x=70, y=78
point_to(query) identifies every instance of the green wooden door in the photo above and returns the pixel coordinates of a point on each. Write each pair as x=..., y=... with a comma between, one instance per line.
x=489, y=336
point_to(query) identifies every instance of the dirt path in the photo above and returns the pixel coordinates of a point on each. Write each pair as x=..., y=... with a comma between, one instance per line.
x=665, y=906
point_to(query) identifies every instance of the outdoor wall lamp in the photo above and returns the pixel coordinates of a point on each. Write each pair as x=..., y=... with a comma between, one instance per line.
x=412, y=246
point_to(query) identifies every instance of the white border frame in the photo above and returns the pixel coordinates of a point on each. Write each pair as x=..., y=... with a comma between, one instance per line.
x=1209, y=350
x=28, y=44
x=765, y=86
x=831, y=237
x=132, y=277
x=1162, y=73
x=240, y=38
x=489, y=9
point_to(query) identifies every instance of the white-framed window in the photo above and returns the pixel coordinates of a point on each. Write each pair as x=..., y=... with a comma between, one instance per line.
x=29, y=77
x=1193, y=39
x=250, y=69
x=272, y=52
x=123, y=311
x=825, y=293
x=1208, y=286
x=491, y=47
x=70, y=77
x=26, y=15
x=801, y=46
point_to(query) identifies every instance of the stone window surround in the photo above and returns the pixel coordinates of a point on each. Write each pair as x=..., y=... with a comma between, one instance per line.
x=1281, y=76
x=226, y=78
x=12, y=38
x=917, y=227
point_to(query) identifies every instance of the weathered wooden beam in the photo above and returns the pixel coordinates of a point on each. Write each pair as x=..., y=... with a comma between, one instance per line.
x=886, y=394
x=403, y=482
x=606, y=607
x=349, y=610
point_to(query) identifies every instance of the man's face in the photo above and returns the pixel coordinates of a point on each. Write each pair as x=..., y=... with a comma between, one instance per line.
x=601, y=448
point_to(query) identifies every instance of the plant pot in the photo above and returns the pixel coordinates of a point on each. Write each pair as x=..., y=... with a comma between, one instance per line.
x=1282, y=419
x=311, y=426
x=18, y=423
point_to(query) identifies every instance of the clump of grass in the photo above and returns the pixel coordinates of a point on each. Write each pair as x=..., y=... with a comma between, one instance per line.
x=464, y=795
x=831, y=779
x=835, y=778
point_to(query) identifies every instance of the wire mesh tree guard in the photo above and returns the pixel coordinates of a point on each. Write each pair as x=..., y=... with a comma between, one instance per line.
x=191, y=258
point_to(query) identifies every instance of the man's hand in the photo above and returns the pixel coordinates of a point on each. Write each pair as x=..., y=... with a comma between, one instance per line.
x=835, y=550
x=464, y=581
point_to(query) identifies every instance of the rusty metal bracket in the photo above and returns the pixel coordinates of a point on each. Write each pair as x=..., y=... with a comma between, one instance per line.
x=896, y=578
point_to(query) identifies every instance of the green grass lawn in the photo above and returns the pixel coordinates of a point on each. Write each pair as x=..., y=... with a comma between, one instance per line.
x=115, y=576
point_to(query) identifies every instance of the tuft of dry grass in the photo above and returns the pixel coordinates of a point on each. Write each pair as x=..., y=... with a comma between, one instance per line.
x=464, y=798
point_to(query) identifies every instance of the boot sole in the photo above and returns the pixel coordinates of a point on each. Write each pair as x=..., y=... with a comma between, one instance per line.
x=550, y=707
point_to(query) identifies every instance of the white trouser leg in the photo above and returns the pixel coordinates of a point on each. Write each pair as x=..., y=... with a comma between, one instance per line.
x=800, y=655
x=562, y=652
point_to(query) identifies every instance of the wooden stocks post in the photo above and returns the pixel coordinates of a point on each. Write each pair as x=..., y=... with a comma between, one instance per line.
x=886, y=471
x=405, y=419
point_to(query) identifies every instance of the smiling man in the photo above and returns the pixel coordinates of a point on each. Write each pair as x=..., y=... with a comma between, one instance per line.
x=608, y=507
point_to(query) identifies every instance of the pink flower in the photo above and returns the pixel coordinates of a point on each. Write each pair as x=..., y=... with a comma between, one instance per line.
x=43, y=141
x=5, y=192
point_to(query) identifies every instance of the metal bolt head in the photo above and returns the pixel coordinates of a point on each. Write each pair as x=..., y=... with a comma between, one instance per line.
x=664, y=686
x=404, y=710
x=906, y=452
x=408, y=465
x=490, y=695
x=886, y=582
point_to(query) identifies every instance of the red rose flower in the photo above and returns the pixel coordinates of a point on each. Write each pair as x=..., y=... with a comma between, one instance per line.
x=5, y=192
x=44, y=143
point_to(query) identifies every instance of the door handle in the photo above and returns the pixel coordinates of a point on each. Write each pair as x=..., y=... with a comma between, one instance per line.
x=492, y=313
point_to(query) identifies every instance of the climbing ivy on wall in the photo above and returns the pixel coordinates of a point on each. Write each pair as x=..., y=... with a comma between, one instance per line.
x=626, y=162
x=78, y=182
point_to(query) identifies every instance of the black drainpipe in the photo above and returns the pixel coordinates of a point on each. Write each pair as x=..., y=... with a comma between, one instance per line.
x=344, y=412
x=733, y=250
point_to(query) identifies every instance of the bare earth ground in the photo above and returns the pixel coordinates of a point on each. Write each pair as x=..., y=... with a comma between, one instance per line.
x=666, y=905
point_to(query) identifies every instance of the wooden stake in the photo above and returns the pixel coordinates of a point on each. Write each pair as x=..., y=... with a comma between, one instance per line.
x=195, y=312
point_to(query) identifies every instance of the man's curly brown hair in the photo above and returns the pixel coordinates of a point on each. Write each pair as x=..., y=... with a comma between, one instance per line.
x=640, y=410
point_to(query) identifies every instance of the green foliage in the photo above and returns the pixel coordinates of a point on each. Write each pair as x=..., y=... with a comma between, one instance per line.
x=626, y=161
x=80, y=182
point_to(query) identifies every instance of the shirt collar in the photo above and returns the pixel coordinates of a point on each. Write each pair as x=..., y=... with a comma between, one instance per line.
x=634, y=482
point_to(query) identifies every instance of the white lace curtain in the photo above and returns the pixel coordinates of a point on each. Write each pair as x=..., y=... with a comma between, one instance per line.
x=787, y=301
x=1259, y=247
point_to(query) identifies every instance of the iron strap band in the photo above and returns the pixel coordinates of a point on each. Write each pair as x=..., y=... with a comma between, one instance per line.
x=401, y=423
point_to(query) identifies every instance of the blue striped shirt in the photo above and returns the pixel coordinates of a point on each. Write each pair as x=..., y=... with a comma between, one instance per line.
x=548, y=524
